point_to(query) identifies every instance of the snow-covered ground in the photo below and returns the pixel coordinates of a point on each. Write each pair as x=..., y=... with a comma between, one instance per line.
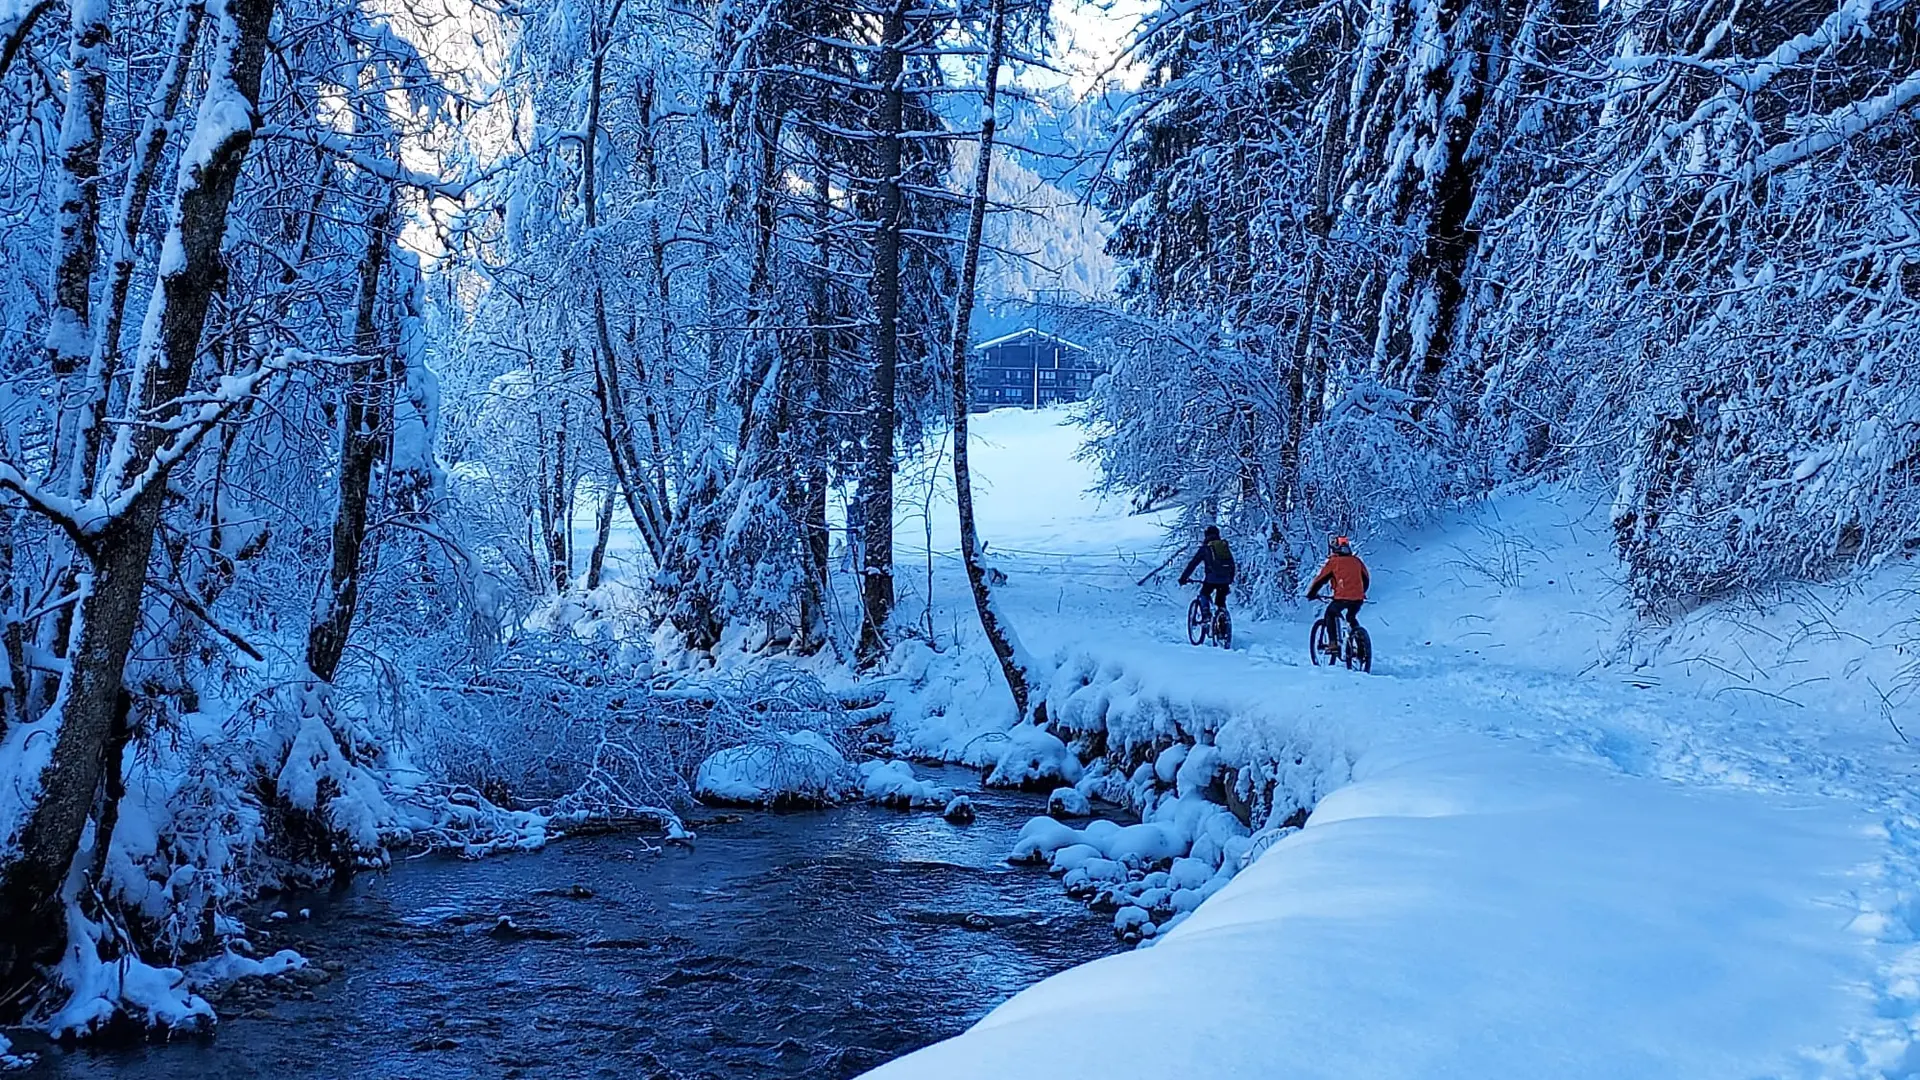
x=1542, y=845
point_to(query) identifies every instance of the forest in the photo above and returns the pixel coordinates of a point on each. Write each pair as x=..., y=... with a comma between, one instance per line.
x=432, y=426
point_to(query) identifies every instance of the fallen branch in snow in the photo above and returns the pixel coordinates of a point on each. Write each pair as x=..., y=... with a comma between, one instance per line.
x=1762, y=693
x=847, y=699
x=1886, y=709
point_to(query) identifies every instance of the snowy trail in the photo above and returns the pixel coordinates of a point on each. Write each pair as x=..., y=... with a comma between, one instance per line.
x=1541, y=865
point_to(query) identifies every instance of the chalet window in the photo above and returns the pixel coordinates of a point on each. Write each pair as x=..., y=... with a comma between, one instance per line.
x=1049, y=376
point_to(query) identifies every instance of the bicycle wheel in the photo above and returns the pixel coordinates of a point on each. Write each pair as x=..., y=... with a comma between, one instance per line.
x=1223, y=630
x=1360, y=649
x=1197, y=622
x=1317, y=642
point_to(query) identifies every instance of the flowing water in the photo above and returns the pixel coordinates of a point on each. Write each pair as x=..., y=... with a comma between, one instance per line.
x=782, y=945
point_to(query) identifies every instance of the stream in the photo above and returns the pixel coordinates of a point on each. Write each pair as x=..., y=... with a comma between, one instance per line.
x=814, y=944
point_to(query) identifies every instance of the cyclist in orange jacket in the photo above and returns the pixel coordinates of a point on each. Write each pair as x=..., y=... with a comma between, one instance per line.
x=1350, y=581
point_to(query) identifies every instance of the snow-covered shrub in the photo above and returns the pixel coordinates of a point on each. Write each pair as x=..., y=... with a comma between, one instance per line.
x=1224, y=451
x=109, y=986
x=953, y=704
x=1772, y=448
x=781, y=768
x=1032, y=757
x=693, y=578
x=552, y=716
x=283, y=791
x=577, y=726
x=782, y=737
x=892, y=784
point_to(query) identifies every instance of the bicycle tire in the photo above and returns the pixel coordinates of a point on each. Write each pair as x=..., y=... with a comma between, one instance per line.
x=1317, y=642
x=1223, y=630
x=1196, y=623
x=1360, y=649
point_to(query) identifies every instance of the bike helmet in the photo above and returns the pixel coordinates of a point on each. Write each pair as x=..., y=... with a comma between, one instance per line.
x=1339, y=545
x=1213, y=532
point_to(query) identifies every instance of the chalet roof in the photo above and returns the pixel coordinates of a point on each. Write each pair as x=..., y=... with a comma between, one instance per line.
x=1036, y=332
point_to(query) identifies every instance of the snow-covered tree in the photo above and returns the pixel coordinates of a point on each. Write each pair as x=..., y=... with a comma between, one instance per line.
x=1660, y=244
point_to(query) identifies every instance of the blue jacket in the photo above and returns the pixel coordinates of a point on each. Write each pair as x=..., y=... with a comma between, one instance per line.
x=1218, y=559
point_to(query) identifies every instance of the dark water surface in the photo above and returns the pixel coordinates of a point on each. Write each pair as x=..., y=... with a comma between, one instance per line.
x=791, y=945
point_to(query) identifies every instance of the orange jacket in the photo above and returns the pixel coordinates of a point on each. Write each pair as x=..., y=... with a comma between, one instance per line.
x=1349, y=577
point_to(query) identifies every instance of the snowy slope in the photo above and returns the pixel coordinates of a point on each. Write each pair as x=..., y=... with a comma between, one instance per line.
x=1557, y=850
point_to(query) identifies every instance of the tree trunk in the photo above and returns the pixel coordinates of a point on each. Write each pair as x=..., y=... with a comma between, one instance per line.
x=364, y=431
x=760, y=342
x=559, y=506
x=602, y=534
x=673, y=462
x=141, y=170
x=616, y=429
x=69, y=339
x=62, y=793
x=813, y=517
x=1436, y=271
x=13, y=660
x=876, y=584
x=1013, y=662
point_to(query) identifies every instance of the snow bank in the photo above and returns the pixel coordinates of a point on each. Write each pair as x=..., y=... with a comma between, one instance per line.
x=1055, y=510
x=1132, y=846
x=950, y=705
x=1216, y=775
x=1465, y=910
x=1195, y=722
x=107, y=988
x=781, y=768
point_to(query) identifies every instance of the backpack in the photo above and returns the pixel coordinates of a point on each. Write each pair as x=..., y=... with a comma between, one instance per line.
x=1222, y=556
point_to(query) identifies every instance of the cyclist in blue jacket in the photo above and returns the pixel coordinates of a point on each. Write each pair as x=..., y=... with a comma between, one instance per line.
x=1218, y=576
